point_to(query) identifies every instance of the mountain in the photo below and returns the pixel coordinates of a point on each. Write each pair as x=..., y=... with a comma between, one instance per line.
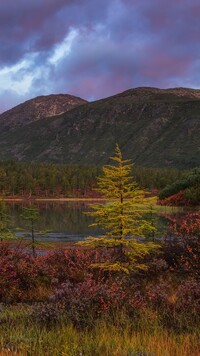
x=38, y=108
x=153, y=127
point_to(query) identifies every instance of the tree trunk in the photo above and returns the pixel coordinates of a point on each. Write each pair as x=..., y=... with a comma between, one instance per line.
x=33, y=238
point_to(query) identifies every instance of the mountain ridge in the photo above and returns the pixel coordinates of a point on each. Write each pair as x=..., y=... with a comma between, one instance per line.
x=154, y=127
x=38, y=108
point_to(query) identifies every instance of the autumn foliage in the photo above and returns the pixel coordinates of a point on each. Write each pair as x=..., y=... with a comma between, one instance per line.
x=63, y=282
x=182, y=243
x=182, y=192
x=177, y=199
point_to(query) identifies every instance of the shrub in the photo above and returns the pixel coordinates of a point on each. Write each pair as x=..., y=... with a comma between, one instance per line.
x=158, y=295
x=182, y=244
x=21, y=275
x=72, y=264
x=178, y=199
x=47, y=314
x=188, y=297
x=86, y=301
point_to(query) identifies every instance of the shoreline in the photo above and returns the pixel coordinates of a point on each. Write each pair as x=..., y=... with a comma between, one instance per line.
x=22, y=199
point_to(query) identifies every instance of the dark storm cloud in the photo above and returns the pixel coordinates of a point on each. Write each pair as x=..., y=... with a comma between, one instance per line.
x=117, y=44
x=36, y=25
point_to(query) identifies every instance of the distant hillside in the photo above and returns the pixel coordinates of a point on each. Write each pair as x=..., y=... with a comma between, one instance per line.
x=38, y=108
x=154, y=127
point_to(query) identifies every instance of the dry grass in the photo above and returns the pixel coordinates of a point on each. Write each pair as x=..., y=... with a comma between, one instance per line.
x=20, y=336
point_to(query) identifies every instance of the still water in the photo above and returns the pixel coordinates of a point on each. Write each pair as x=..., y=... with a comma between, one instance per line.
x=58, y=221
x=66, y=221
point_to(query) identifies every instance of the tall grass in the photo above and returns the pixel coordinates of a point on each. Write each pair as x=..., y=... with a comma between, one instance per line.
x=20, y=335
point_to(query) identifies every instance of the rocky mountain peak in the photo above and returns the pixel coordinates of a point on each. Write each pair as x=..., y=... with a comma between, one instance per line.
x=38, y=108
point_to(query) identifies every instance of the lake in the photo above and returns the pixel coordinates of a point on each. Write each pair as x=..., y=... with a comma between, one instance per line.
x=67, y=221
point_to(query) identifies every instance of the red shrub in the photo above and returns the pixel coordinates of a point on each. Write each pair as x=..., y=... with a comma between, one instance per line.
x=177, y=199
x=72, y=264
x=188, y=297
x=87, y=300
x=182, y=244
x=20, y=274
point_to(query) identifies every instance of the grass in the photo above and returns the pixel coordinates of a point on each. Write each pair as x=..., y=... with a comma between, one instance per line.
x=19, y=335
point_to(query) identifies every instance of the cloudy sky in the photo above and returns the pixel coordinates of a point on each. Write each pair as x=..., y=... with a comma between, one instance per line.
x=96, y=48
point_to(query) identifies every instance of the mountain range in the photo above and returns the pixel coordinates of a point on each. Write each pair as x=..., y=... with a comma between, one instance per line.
x=153, y=127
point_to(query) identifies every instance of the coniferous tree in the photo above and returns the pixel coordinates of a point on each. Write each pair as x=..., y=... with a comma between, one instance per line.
x=122, y=217
x=31, y=215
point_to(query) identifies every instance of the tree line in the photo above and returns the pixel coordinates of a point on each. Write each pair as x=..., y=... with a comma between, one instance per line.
x=45, y=179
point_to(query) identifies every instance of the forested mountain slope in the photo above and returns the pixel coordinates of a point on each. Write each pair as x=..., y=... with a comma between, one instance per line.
x=154, y=127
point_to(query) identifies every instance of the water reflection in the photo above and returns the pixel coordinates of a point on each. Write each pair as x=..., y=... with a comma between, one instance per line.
x=67, y=221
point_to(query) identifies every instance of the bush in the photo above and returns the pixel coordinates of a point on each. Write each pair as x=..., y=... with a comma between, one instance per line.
x=178, y=199
x=188, y=297
x=182, y=244
x=72, y=264
x=90, y=299
x=47, y=314
x=158, y=295
x=189, y=185
x=21, y=275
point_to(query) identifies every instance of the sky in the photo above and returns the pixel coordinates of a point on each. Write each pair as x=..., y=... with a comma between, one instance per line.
x=96, y=48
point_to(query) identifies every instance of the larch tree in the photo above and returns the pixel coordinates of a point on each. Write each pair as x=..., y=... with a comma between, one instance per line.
x=31, y=215
x=122, y=218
